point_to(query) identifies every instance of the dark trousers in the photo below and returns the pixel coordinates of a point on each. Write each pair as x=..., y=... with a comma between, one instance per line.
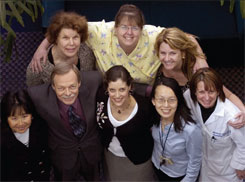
x=164, y=177
x=81, y=171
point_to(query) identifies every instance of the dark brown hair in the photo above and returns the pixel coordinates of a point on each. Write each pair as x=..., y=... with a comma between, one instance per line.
x=67, y=20
x=182, y=111
x=115, y=73
x=132, y=12
x=211, y=80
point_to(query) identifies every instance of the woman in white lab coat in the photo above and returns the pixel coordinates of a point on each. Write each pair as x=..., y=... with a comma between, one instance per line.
x=223, y=146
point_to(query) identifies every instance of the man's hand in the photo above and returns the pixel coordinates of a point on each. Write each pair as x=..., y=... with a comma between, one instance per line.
x=240, y=174
x=239, y=121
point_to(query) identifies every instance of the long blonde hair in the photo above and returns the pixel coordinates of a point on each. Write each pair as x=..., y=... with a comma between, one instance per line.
x=177, y=39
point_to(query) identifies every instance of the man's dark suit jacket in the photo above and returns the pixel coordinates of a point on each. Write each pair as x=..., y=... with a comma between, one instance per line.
x=66, y=149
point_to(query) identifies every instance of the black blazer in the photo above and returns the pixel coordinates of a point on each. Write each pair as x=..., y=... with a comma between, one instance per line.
x=134, y=136
x=21, y=163
x=65, y=147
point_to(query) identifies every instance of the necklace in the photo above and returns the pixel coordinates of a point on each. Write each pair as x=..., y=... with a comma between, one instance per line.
x=119, y=111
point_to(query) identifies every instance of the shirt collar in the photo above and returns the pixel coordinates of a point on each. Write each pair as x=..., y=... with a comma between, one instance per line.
x=65, y=107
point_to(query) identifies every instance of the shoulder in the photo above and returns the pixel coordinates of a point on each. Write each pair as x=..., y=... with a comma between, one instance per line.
x=191, y=128
x=91, y=77
x=230, y=109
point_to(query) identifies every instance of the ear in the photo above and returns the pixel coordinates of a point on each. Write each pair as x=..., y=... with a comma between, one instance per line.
x=53, y=86
x=153, y=101
x=183, y=54
x=79, y=84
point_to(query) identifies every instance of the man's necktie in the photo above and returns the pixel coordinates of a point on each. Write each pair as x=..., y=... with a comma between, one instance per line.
x=77, y=124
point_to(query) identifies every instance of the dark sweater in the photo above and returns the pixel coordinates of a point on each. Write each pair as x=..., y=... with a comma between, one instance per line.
x=134, y=136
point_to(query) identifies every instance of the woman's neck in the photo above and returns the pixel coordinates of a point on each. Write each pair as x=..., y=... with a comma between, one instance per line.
x=177, y=74
x=165, y=122
x=58, y=56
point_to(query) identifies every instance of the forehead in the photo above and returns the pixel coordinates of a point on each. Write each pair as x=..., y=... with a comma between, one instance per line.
x=201, y=85
x=68, y=32
x=19, y=110
x=66, y=79
x=118, y=83
x=164, y=91
x=165, y=46
x=126, y=20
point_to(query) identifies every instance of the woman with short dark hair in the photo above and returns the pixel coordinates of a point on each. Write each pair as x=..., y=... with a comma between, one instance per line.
x=24, y=144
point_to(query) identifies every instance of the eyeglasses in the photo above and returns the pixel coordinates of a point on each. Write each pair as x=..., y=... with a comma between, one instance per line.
x=161, y=101
x=125, y=28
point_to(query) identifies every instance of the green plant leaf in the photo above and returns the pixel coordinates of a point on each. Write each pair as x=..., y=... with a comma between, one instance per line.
x=40, y=6
x=232, y=3
x=30, y=13
x=3, y=13
x=222, y=2
x=9, y=29
x=242, y=8
x=16, y=13
x=9, y=47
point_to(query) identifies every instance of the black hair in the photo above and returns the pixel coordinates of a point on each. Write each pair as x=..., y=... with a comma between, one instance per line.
x=182, y=110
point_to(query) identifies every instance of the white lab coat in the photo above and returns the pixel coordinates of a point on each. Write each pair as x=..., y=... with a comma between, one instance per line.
x=223, y=146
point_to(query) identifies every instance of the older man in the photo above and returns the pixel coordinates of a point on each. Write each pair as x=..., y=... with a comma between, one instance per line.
x=68, y=105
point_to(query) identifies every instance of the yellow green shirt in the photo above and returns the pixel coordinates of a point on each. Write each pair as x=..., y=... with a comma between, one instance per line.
x=142, y=63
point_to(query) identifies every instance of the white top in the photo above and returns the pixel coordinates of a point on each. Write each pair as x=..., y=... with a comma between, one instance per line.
x=115, y=146
x=23, y=137
x=223, y=145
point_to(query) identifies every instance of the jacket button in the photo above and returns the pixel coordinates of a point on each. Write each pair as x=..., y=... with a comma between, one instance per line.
x=43, y=151
x=40, y=163
x=25, y=162
x=42, y=171
x=29, y=172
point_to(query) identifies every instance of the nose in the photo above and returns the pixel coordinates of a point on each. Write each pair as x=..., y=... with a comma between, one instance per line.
x=117, y=94
x=67, y=91
x=71, y=41
x=165, y=103
x=166, y=57
x=206, y=96
x=129, y=31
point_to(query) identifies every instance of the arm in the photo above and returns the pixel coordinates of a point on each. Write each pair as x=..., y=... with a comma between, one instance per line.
x=40, y=54
x=194, y=152
x=200, y=61
x=240, y=117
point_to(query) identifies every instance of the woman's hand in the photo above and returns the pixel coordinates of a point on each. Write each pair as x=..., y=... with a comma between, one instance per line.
x=239, y=121
x=40, y=55
x=200, y=63
x=240, y=174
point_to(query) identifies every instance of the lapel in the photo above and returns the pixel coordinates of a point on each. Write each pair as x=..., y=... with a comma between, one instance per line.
x=86, y=102
x=53, y=110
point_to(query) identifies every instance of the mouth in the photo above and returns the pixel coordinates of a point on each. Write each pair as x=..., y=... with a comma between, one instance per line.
x=168, y=63
x=165, y=111
x=21, y=128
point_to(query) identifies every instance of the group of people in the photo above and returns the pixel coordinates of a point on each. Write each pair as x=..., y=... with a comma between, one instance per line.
x=121, y=101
